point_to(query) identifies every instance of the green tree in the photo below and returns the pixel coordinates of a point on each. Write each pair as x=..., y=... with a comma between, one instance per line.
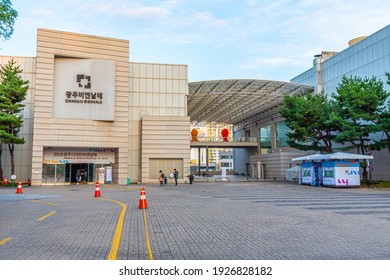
x=312, y=120
x=7, y=19
x=13, y=91
x=384, y=125
x=361, y=103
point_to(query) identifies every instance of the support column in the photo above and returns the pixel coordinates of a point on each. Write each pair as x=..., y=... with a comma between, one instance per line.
x=207, y=160
x=199, y=161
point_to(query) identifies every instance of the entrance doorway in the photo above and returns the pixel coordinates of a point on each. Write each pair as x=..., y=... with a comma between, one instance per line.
x=53, y=174
x=86, y=171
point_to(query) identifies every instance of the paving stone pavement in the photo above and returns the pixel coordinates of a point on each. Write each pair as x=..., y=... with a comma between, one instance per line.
x=203, y=221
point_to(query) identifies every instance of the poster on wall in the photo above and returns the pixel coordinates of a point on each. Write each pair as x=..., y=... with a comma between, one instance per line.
x=341, y=173
x=108, y=174
x=307, y=173
x=347, y=173
x=101, y=174
x=328, y=169
x=75, y=155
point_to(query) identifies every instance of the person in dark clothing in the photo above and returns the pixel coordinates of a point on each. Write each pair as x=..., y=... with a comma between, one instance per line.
x=175, y=175
x=191, y=178
x=78, y=176
x=161, y=177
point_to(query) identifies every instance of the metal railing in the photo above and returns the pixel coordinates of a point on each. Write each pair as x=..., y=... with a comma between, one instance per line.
x=227, y=139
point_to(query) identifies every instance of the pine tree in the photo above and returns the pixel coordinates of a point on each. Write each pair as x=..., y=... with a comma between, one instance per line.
x=384, y=124
x=13, y=91
x=361, y=105
x=312, y=120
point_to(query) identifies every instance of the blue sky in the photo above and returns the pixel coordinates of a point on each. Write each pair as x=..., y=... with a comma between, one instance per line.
x=217, y=39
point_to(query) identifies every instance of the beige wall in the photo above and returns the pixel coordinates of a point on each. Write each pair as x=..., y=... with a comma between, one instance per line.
x=141, y=89
x=165, y=138
x=61, y=132
x=156, y=90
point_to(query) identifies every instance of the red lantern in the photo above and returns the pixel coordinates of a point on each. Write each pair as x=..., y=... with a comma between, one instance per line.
x=194, y=135
x=225, y=134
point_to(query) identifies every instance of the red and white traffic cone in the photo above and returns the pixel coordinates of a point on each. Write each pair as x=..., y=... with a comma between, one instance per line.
x=142, y=201
x=19, y=190
x=97, y=190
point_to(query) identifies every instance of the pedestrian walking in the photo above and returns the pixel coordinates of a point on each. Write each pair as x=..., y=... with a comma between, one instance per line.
x=175, y=175
x=78, y=176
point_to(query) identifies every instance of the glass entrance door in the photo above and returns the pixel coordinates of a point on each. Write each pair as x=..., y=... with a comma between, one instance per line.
x=86, y=171
x=53, y=174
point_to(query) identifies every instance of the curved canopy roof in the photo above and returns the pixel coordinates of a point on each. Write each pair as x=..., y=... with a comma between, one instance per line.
x=238, y=101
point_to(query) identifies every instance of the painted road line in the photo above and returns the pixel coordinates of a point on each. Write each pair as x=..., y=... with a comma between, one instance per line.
x=147, y=237
x=116, y=240
x=44, y=202
x=46, y=216
x=2, y=242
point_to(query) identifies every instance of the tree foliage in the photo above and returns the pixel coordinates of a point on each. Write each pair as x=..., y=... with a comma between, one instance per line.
x=354, y=117
x=361, y=103
x=7, y=19
x=13, y=91
x=312, y=119
x=384, y=125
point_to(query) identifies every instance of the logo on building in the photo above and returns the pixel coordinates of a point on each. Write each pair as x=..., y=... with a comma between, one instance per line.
x=84, y=89
x=84, y=95
x=84, y=81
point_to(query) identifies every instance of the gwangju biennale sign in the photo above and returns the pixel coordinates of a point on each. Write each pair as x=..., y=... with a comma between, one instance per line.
x=90, y=155
x=84, y=89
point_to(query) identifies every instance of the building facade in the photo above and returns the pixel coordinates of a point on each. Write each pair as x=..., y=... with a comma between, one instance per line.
x=366, y=56
x=90, y=109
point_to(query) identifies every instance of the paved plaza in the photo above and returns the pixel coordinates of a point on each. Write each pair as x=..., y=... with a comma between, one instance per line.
x=203, y=221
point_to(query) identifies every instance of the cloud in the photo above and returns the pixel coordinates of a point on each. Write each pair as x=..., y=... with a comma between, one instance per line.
x=129, y=9
x=208, y=19
x=44, y=12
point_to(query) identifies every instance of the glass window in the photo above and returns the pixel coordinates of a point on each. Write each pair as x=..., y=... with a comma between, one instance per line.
x=281, y=134
x=265, y=139
x=48, y=173
x=60, y=173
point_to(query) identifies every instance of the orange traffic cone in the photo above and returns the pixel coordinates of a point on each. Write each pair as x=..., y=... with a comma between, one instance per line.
x=19, y=189
x=97, y=190
x=142, y=201
x=5, y=180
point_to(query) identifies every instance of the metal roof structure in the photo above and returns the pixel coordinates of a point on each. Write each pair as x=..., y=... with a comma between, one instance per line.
x=239, y=101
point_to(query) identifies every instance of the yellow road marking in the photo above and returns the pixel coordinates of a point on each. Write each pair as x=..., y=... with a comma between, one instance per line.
x=46, y=216
x=116, y=240
x=44, y=202
x=147, y=237
x=2, y=242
